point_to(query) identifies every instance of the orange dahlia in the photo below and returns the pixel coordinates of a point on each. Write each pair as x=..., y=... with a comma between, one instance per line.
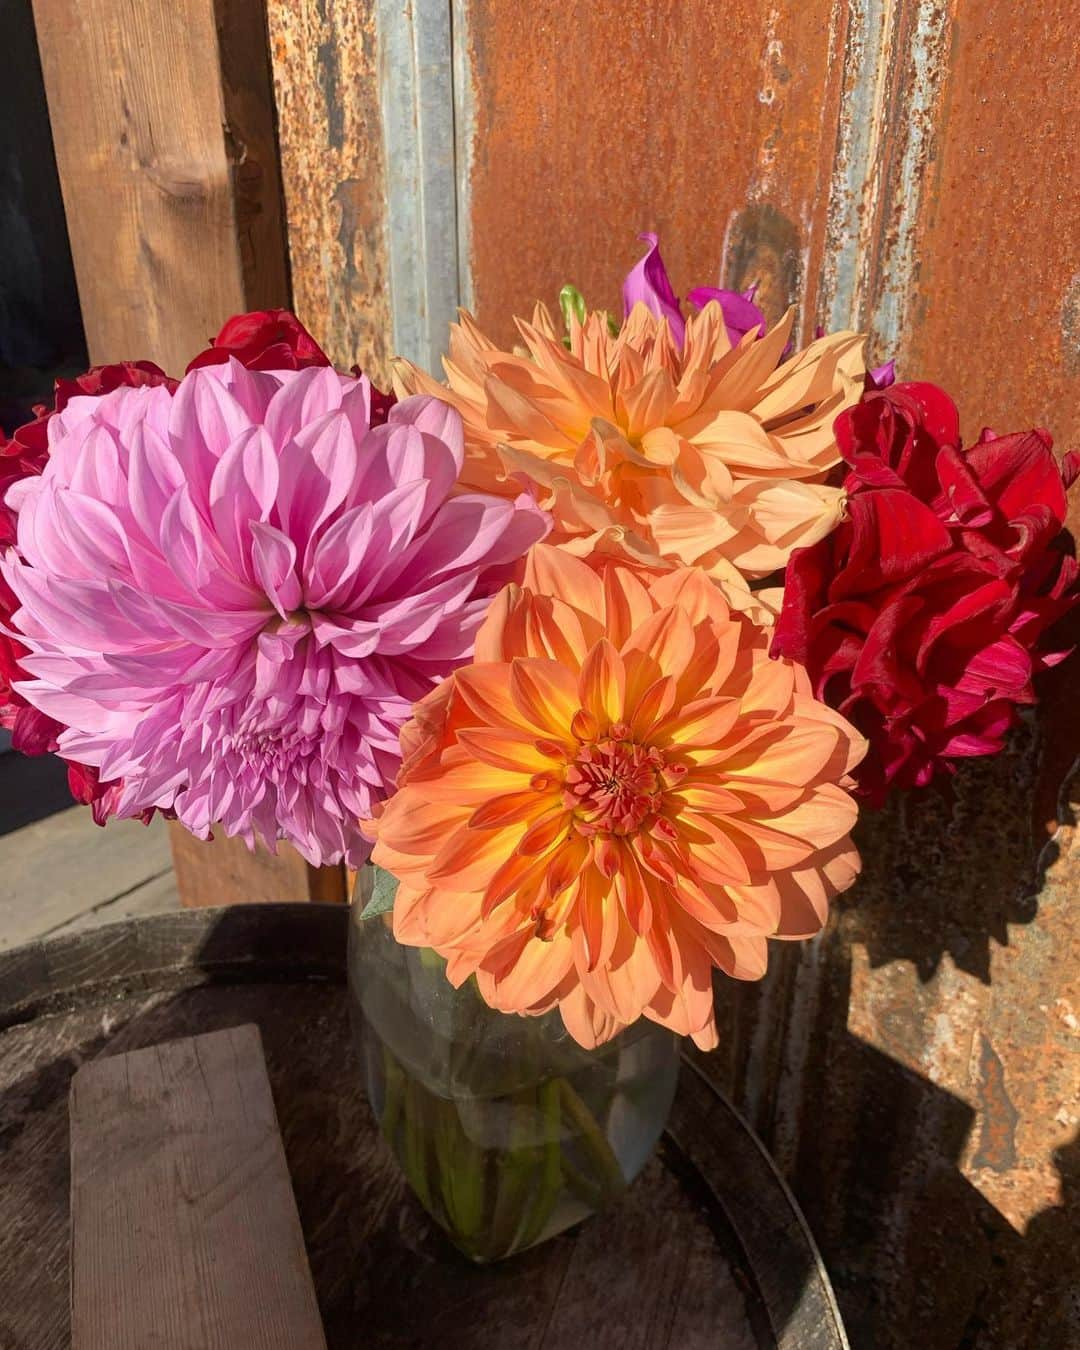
x=640, y=447
x=622, y=792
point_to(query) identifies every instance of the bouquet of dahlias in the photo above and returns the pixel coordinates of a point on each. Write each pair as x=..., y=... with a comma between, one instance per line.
x=593, y=649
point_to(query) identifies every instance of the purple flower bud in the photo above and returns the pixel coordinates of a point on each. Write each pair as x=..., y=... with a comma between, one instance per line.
x=741, y=315
x=648, y=284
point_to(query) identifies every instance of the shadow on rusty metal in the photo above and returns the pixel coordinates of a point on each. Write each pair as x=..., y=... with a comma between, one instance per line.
x=914, y=1070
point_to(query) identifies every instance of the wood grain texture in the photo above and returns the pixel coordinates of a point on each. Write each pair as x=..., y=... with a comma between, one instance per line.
x=158, y=895
x=671, y=1266
x=327, y=87
x=224, y=871
x=184, y=1230
x=57, y=870
x=162, y=120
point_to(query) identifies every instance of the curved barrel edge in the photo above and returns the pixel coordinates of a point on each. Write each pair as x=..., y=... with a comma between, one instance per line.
x=758, y=1204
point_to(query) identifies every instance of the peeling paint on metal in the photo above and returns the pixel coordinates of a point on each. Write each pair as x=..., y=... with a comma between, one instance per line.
x=895, y=70
x=856, y=174
x=772, y=76
x=417, y=90
x=464, y=145
x=896, y=261
x=999, y=1117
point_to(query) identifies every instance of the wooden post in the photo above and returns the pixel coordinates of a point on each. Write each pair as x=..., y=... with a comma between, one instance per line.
x=224, y=872
x=162, y=119
x=162, y=116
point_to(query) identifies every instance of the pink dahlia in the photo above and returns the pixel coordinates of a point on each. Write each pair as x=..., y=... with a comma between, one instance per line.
x=231, y=595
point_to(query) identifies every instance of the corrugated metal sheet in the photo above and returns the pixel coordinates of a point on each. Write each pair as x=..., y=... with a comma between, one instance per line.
x=416, y=83
x=710, y=123
x=333, y=171
x=994, y=308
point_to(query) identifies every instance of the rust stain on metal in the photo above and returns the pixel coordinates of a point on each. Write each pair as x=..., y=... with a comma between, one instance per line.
x=912, y=110
x=763, y=249
x=639, y=117
x=332, y=164
x=915, y=1073
x=999, y=244
x=999, y=1117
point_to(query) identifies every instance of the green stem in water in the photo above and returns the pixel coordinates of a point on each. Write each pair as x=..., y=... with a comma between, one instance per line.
x=584, y=1126
x=583, y=1187
x=550, y=1179
x=514, y=1173
x=497, y=1200
x=394, y=1080
x=414, y=1152
x=460, y=1165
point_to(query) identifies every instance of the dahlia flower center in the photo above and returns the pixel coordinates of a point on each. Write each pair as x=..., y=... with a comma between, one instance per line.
x=271, y=752
x=613, y=785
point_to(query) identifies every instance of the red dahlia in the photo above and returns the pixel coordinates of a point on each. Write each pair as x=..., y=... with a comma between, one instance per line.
x=925, y=616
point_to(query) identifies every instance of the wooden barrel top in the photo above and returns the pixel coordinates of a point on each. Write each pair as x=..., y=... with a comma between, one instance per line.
x=707, y=1249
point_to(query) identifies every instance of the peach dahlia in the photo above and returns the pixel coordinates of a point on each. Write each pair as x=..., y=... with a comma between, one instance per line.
x=686, y=453
x=620, y=793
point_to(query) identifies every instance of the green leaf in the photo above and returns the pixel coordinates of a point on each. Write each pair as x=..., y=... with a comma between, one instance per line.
x=383, y=891
x=571, y=301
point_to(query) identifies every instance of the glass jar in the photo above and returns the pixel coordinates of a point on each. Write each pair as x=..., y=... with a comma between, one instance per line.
x=507, y=1130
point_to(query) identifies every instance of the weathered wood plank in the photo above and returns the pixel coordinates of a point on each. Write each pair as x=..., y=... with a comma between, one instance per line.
x=158, y=895
x=57, y=870
x=184, y=1226
x=162, y=120
x=174, y=950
